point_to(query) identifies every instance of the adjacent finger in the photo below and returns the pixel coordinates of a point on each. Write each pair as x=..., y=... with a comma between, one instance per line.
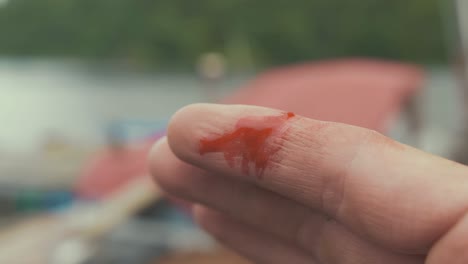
x=395, y=195
x=249, y=203
x=452, y=247
x=257, y=246
x=268, y=212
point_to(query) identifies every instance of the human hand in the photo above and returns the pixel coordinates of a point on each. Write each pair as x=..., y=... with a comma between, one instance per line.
x=279, y=188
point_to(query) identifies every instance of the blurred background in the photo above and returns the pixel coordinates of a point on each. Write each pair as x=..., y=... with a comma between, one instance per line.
x=87, y=85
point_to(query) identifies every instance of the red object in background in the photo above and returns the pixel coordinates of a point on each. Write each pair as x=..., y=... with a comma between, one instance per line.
x=112, y=169
x=361, y=92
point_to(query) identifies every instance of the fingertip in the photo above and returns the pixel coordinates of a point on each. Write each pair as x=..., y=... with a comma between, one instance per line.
x=155, y=153
x=192, y=123
x=170, y=173
x=184, y=128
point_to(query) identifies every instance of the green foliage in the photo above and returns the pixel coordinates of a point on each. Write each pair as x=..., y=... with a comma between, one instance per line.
x=174, y=33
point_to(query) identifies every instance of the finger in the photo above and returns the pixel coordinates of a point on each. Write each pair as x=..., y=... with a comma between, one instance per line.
x=255, y=245
x=268, y=212
x=452, y=247
x=248, y=202
x=393, y=194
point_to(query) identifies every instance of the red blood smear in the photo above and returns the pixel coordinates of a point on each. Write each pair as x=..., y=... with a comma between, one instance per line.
x=249, y=143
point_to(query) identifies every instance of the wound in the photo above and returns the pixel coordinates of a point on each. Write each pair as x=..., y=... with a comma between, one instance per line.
x=252, y=144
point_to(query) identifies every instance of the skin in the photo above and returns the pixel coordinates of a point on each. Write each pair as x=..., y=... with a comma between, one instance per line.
x=335, y=193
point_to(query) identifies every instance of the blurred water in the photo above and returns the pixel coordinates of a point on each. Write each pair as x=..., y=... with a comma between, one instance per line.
x=75, y=101
x=440, y=108
x=442, y=111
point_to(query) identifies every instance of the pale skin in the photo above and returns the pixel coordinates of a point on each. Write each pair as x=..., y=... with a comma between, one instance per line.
x=335, y=194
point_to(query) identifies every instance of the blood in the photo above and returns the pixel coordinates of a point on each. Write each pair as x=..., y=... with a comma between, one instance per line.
x=251, y=142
